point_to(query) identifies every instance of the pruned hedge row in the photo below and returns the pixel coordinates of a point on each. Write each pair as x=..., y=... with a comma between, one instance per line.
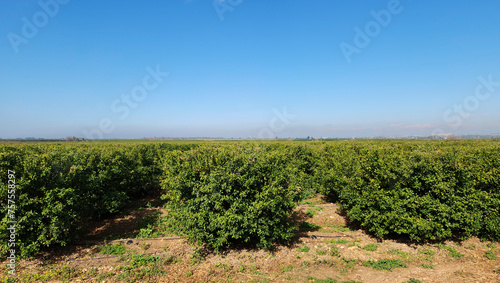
x=423, y=191
x=61, y=186
x=226, y=193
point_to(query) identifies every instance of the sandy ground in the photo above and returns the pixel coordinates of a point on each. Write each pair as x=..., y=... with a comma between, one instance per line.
x=333, y=251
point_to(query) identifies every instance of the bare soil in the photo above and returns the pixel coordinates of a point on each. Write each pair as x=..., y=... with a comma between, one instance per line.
x=333, y=251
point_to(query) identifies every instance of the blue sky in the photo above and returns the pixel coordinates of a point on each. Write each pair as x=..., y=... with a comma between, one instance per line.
x=350, y=68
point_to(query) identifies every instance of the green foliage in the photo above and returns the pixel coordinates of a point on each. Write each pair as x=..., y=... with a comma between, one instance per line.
x=222, y=195
x=428, y=266
x=339, y=241
x=60, y=186
x=139, y=267
x=304, y=249
x=384, y=264
x=66, y=272
x=452, y=252
x=427, y=251
x=328, y=280
x=287, y=268
x=397, y=252
x=490, y=255
x=115, y=249
x=413, y=280
x=334, y=228
x=370, y=247
x=423, y=190
x=310, y=213
x=334, y=251
x=149, y=226
x=105, y=275
x=138, y=260
x=320, y=252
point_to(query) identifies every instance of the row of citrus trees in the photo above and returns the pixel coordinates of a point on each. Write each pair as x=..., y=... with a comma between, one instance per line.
x=226, y=193
x=419, y=190
x=59, y=187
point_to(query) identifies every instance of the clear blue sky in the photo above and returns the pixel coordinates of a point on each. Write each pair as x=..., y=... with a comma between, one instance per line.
x=80, y=68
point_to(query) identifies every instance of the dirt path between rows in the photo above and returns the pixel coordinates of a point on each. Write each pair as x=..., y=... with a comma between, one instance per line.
x=329, y=251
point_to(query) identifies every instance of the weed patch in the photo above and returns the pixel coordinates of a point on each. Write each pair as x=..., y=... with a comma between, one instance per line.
x=370, y=247
x=385, y=264
x=114, y=249
x=303, y=249
x=451, y=250
x=490, y=255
